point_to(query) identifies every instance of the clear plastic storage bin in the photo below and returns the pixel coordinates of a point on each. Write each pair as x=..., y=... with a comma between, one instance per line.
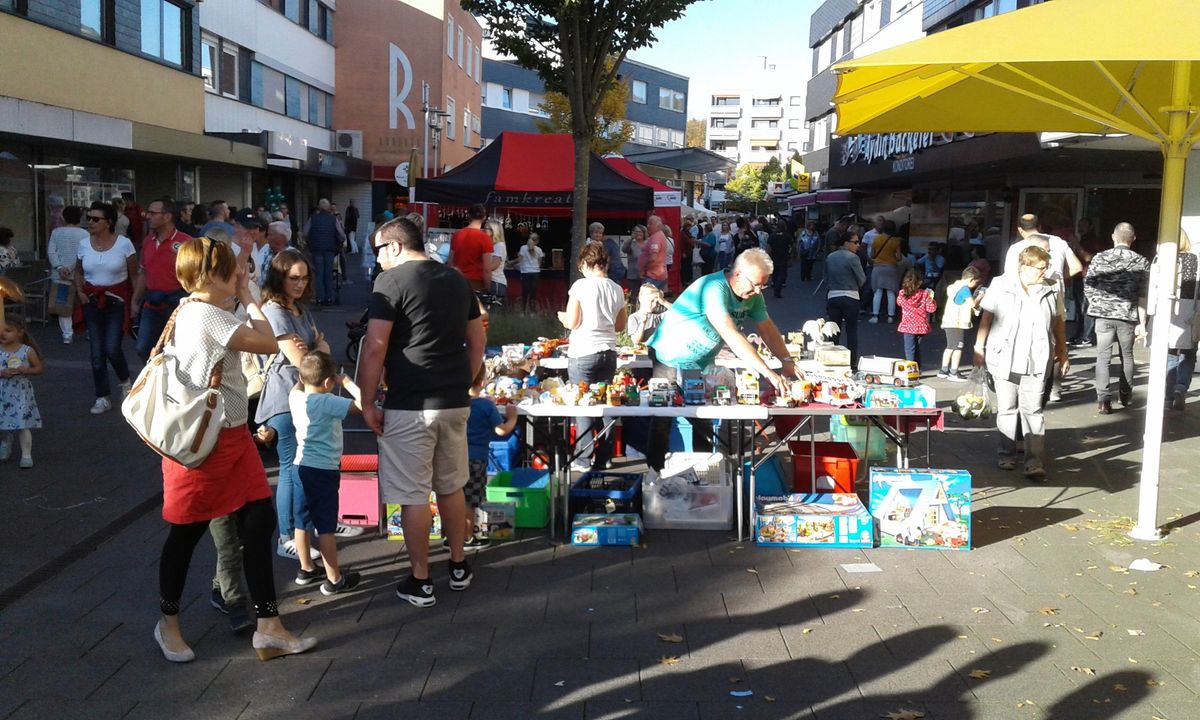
x=694, y=492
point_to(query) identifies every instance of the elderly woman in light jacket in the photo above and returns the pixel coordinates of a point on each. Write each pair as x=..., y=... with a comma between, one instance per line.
x=1022, y=334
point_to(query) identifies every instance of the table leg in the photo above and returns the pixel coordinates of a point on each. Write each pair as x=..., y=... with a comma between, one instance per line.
x=753, y=490
x=741, y=517
x=902, y=447
x=928, y=433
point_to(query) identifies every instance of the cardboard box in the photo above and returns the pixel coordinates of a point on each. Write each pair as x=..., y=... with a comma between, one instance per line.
x=496, y=520
x=832, y=355
x=396, y=532
x=922, y=508
x=884, y=396
x=613, y=529
x=814, y=520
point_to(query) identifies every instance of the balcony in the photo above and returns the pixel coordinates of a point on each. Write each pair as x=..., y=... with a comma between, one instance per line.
x=765, y=134
x=725, y=111
x=771, y=112
x=730, y=151
x=724, y=133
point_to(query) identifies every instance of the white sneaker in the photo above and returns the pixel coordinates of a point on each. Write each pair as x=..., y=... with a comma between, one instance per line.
x=874, y=320
x=581, y=466
x=125, y=387
x=102, y=405
x=287, y=549
x=68, y=339
x=348, y=531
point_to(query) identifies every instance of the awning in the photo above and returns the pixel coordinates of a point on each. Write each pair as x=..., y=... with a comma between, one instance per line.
x=802, y=200
x=821, y=197
x=692, y=159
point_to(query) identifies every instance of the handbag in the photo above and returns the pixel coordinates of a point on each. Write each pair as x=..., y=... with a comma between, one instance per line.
x=255, y=368
x=177, y=420
x=62, y=298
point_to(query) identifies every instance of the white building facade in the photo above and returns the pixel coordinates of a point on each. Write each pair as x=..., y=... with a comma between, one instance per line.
x=753, y=125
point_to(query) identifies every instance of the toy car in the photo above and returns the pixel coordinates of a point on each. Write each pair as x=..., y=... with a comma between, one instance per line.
x=747, y=389
x=722, y=396
x=889, y=371
x=693, y=389
x=661, y=392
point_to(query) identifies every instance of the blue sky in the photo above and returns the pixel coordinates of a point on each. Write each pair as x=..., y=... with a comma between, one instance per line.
x=718, y=43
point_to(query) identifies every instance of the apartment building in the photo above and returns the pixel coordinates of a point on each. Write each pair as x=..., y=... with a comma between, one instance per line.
x=269, y=78
x=118, y=107
x=754, y=125
x=409, y=82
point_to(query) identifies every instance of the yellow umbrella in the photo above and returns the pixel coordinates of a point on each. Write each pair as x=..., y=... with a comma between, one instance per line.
x=1088, y=66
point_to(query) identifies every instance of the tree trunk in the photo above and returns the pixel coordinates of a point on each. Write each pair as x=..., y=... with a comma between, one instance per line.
x=583, y=156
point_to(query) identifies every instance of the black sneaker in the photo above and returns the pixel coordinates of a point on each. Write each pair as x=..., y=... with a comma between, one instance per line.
x=304, y=577
x=240, y=621
x=218, y=601
x=473, y=541
x=349, y=581
x=417, y=592
x=460, y=575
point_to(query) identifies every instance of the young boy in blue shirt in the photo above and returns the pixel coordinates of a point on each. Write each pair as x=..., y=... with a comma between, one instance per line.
x=483, y=426
x=317, y=415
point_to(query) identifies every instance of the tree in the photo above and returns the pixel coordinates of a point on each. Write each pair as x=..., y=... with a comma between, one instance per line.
x=576, y=46
x=695, y=133
x=612, y=129
x=747, y=181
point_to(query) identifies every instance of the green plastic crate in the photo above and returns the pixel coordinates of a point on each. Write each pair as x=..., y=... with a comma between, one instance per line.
x=529, y=488
x=855, y=432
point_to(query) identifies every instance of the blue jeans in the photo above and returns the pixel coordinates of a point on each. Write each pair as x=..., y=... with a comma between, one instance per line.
x=323, y=275
x=1181, y=364
x=107, y=328
x=844, y=312
x=290, y=503
x=912, y=348
x=151, y=321
x=597, y=367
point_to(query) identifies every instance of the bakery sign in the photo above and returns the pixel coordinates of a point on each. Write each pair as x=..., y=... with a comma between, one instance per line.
x=897, y=147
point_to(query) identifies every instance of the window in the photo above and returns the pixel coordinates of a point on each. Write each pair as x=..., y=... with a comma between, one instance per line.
x=885, y=13
x=163, y=30
x=796, y=100
x=475, y=124
x=328, y=110
x=805, y=147
x=793, y=147
x=718, y=145
x=450, y=37
x=767, y=102
x=294, y=98
x=479, y=66
x=314, y=17
x=460, y=46
x=726, y=100
x=677, y=138
x=470, y=56
x=209, y=47
x=467, y=123
x=645, y=134
x=228, y=75
x=267, y=88
x=95, y=18
x=451, y=114
x=506, y=98
x=765, y=145
x=724, y=122
x=637, y=91
x=316, y=106
x=291, y=10
x=764, y=123
x=794, y=124
x=671, y=100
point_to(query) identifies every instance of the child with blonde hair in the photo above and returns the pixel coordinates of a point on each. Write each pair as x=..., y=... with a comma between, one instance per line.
x=19, y=359
x=651, y=306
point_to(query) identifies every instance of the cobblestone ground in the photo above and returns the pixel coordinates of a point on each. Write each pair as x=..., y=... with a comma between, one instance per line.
x=1042, y=619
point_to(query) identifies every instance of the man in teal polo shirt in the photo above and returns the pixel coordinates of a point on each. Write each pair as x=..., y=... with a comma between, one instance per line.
x=706, y=316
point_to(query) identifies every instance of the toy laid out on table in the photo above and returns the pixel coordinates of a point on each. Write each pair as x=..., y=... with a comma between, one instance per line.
x=722, y=395
x=747, y=388
x=663, y=393
x=760, y=346
x=799, y=392
x=836, y=390
x=820, y=331
x=877, y=370
x=693, y=387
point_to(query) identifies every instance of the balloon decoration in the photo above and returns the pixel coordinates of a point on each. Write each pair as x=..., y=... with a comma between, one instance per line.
x=274, y=198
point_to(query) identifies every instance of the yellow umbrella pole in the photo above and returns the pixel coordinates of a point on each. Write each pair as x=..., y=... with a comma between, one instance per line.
x=1175, y=152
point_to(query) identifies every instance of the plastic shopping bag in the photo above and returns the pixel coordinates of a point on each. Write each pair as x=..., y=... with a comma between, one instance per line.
x=976, y=400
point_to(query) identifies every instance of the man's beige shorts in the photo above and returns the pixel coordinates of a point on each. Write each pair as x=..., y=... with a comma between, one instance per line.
x=422, y=451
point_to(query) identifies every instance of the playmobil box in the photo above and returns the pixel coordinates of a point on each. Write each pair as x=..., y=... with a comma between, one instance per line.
x=496, y=520
x=922, y=507
x=885, y=396
x=395, y=531
x=609, y=529
x=836, y=520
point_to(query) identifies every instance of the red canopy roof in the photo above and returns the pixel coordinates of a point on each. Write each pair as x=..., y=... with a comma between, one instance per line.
x=630, y=171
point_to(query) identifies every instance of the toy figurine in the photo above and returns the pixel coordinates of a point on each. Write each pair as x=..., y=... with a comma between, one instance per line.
x=747, y=388
x=615, y=395
x=722, y=396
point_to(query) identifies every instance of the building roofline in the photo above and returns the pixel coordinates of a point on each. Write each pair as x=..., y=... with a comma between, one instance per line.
x=657, y=69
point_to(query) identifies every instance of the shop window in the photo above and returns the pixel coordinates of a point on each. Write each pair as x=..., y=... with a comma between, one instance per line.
x=95, y=19
x=163, y=30
x=638, y=92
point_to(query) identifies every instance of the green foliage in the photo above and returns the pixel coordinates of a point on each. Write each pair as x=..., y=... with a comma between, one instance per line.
x=512, y=326
x=749, y=182
x=694, y=135
x=612, y=129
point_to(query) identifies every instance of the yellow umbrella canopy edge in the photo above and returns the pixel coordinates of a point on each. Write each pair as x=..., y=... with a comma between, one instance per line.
x=958, y=80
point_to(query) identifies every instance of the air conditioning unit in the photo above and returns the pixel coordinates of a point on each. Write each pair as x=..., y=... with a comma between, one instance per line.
x=348, y=142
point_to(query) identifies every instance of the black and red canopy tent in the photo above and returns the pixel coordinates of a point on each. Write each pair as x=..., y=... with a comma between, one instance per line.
x=534, y=172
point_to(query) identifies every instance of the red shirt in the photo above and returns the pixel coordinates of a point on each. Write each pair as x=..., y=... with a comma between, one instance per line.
x=468, y=248
x=914, y=311
x=158, y=262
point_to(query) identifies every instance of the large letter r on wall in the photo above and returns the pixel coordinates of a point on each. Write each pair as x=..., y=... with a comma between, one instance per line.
x=396, y=57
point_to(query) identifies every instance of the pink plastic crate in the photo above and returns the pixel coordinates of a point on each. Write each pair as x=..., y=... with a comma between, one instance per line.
x=358, y=499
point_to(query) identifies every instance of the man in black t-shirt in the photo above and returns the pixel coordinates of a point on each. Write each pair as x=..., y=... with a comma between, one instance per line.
x=424, y=330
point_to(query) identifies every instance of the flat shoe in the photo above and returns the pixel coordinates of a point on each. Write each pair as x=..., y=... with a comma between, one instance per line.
x=175, y=656
x=272, y=646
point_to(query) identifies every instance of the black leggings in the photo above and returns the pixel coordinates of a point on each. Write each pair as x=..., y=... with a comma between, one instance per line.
x=255, y=524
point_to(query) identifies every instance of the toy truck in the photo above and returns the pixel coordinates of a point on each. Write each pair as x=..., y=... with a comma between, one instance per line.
x=661, y=391
x=722, y=396
x=693, y=388
x=889, y=371
x=747, y=389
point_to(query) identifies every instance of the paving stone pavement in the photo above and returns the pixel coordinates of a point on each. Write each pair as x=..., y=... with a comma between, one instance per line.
x=1040, y=620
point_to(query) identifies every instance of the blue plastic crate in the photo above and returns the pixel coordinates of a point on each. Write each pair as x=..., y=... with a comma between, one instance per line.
x=503, y=453
x=599, y=492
